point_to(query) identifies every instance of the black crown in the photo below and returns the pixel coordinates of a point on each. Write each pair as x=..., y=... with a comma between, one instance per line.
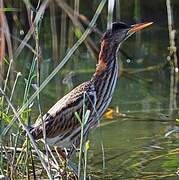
x=119, y=25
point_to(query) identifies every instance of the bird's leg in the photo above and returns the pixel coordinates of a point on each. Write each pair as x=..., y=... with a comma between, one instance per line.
x=67, y=171
x=62, y=157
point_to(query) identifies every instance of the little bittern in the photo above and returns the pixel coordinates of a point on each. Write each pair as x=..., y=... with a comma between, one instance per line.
x=62, y=127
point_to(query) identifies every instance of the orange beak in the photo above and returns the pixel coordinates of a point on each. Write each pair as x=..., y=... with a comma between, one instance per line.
x=139, y=26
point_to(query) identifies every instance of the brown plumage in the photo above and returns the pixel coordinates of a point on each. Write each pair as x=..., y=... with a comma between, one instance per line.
x=62, y=126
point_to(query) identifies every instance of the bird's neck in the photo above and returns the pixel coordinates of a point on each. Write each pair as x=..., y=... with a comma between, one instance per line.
x=105, y=77
x=106, y=61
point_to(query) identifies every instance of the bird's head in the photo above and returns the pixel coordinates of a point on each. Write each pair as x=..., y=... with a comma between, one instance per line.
x=120, y=31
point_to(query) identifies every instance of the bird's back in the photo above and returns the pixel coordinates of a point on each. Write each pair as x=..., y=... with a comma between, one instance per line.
x=60, y=121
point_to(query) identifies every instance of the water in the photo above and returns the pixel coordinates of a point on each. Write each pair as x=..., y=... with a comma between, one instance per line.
x=135, y=146
x=133, y=139
x=134, y=143
x=130, y=142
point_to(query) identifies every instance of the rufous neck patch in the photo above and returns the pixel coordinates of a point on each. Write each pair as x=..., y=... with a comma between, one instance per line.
x=102, y=62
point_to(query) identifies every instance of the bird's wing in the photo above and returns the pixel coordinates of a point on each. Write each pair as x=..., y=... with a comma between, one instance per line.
x=61, y=117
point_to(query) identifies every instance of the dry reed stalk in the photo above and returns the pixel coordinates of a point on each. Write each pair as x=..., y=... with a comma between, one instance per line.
x=2, y=41
x=53, y=24
x=172, y=57
x=63, y=37
x=88, y=41
x=118, y=5
x=29, y=135
x=37, y=18
x=76, y=9
x=111, y=4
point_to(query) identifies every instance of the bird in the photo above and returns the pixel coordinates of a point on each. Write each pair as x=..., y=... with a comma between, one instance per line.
x=61, y=125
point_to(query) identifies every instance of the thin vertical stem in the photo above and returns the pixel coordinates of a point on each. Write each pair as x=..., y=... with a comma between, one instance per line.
x=110, y=13
x=118, y=5
x=2, y=42
x=137, y=18
x=54, y=33
x=7, y=36
x=6, y=80
x=13, y=89
x=63, y=34
x=38, y=59
x=76, y=9
x=29, y=135
x=81, y=137
x=137, y=11
x=172, y=58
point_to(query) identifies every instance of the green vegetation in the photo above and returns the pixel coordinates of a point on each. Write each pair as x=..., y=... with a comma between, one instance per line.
x=47, y=48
